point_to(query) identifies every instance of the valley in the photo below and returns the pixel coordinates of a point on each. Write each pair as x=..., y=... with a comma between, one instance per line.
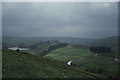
x=103, y=64
x=99, y=64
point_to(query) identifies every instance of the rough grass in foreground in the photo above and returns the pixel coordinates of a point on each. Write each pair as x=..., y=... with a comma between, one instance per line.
x=19, y=65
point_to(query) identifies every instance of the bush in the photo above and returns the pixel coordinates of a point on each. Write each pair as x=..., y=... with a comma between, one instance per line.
x=110, y=77
x=53, y=46
x=100, y=49
x=100, y=71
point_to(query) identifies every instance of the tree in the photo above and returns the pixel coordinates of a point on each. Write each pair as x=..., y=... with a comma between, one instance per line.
x=110, y=77
x=106, y=71
x=53, y=46
x=5, y=48
x=48, y=42
x=17, y=50
x=100, y=49
x=93, y=69
x=100, y=71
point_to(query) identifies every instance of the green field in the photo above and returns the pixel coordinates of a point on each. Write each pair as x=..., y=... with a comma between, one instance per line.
x=19, y=65
x=103, y=63
x=69, y=53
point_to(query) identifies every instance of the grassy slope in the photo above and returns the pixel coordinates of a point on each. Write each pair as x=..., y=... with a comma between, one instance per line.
x=19, y=65
x=69, y=53
x=82, y=56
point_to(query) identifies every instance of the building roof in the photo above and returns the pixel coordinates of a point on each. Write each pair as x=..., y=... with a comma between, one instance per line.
x=15, y=48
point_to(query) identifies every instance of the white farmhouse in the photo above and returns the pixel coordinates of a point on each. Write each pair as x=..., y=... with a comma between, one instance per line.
x=15, y=48
x=69, y=63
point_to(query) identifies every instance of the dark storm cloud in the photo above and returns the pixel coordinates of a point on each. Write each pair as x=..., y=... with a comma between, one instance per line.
x=88, y=20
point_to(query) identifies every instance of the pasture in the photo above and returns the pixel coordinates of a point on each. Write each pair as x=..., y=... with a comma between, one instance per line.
x=102, y=63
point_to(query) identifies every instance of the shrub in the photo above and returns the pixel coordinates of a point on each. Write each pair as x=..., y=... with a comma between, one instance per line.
x=100, y=71
x=100, y=49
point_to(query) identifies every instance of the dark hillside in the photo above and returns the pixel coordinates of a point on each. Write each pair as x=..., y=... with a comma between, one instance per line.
x=19, y=65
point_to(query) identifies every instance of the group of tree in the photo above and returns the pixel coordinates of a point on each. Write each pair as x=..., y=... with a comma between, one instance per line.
x=43, y=47
x=100, y=49
x=42, y=43
x=52, y=47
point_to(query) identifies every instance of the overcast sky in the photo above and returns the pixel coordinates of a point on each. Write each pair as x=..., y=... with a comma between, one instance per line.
x=83, y=20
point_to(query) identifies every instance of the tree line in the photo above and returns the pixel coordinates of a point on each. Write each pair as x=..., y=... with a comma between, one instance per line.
x=100, y=49
x=52, y=47
x=44, y=47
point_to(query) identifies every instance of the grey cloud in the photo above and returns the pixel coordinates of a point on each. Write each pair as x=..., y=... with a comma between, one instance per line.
x=88, y=20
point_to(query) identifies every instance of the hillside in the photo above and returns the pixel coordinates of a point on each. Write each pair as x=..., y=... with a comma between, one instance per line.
x=81, y=57
x=19, y=65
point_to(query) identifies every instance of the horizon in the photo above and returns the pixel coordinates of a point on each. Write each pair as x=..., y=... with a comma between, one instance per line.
x=59, y=37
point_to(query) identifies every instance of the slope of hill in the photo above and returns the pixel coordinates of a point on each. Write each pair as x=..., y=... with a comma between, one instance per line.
x=103, y=63
x=19, y=65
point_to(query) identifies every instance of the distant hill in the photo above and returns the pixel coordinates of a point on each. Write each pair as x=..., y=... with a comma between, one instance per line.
x=15, y=41
x=37, y=39
x=19, y=65
x=109, y=41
